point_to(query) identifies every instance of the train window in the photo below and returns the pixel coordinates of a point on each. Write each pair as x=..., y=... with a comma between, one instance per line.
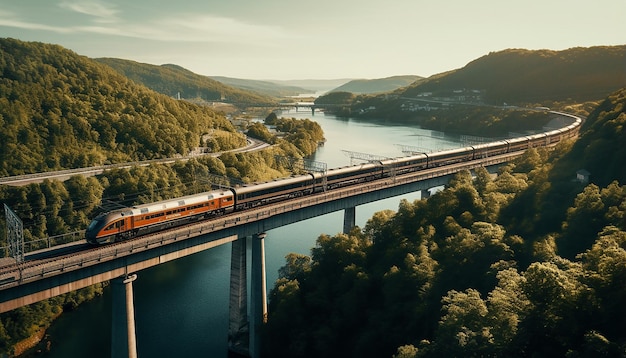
x=110, y=227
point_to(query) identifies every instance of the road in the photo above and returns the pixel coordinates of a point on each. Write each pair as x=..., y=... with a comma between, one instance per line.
x=20, y=180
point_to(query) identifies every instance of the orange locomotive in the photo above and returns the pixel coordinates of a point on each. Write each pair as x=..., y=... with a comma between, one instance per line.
x=142, y=219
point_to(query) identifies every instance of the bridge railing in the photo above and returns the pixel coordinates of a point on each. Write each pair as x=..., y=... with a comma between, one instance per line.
x=48, y=242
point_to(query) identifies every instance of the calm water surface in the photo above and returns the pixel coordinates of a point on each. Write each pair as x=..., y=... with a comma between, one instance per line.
x=181, y=307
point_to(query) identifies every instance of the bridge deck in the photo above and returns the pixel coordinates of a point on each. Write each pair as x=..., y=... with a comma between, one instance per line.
x=39, y=279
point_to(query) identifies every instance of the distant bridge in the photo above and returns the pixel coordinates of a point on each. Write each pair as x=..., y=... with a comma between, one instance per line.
x=310, y=105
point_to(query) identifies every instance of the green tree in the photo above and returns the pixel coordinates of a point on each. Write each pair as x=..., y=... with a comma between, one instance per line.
x=605, y=267
x=560, y=303
x=259, y=131
x=584, y=220
x=407, y=351
x=463, y=325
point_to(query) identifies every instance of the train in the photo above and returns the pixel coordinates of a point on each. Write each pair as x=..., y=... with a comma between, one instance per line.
x=139, y=220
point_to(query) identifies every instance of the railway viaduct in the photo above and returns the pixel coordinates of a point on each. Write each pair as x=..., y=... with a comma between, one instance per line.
x=57, y=273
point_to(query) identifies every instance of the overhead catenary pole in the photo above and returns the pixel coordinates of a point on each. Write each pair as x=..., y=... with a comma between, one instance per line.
x=15, y=235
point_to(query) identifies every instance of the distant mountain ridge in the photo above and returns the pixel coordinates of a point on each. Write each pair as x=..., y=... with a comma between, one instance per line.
x=284, y=88
x=380, y=85
x=269, y=87
x=316, y=85
x=174, y=81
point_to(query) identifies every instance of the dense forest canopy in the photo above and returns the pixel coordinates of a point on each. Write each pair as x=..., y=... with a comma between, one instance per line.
x=473, y=271
x=599, y=151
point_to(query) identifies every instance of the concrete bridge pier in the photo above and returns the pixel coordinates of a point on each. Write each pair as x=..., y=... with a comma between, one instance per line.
x=258, y=310
x=238, y=328
x=349, y=219
x=244, y=332
x=123, y=340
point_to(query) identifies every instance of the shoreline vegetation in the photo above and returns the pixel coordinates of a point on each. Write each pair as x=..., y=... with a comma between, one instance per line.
x=35, y=344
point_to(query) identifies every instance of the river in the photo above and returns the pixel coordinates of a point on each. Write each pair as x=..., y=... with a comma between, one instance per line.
x=181, y=307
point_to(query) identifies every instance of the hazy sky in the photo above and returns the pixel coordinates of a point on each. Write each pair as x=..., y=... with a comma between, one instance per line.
x=320, y=39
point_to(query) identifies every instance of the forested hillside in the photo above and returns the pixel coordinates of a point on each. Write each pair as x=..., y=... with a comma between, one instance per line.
x=175, y=81
x=599, y=151
x=61, y=110
x=472, y=271
x=518, y=76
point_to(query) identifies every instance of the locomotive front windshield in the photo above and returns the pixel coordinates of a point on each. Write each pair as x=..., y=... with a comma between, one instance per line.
x=95, y=225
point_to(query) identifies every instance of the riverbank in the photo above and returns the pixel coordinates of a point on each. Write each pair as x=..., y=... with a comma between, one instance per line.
x=35, y=344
